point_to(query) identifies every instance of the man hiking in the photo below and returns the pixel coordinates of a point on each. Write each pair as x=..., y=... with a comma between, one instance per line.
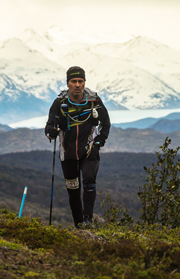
x=82, y=123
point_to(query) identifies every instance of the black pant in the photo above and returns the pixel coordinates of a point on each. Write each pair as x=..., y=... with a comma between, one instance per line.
x=89, y=169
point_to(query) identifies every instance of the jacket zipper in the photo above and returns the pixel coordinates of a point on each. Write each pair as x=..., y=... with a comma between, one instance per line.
x=77, y=142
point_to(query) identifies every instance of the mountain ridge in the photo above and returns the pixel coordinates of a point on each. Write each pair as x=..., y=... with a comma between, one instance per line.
x=145, y=123
x=137, y=73
x=166, y=125
x=119, y=140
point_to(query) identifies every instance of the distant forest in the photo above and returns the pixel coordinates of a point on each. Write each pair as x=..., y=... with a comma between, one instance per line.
x=120, y=174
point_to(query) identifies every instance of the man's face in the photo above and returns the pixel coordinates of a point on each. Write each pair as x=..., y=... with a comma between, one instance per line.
x=76, y=88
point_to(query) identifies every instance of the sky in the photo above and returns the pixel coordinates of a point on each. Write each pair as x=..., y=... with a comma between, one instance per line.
x=157, y=19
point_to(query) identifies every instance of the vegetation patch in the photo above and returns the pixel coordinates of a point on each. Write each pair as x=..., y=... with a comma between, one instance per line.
x=30, y=249
x=118, y=247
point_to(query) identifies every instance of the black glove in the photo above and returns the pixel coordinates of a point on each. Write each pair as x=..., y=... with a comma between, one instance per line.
x=52, y=133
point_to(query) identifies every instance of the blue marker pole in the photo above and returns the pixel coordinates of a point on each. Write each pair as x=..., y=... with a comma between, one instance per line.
x=23, y=199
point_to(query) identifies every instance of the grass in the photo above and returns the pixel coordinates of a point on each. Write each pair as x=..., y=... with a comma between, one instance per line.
x=31, y=249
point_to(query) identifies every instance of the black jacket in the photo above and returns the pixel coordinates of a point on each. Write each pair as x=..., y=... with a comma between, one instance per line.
x=76, y=137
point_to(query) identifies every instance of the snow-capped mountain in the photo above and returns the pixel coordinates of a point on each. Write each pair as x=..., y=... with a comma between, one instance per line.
x=56, y=42
x=128, y=72
x=130, y=83
x=140, y=89
x=48, y=47
x=28, y=81
x=59, y=35
x=141, y=52
x=15, y=104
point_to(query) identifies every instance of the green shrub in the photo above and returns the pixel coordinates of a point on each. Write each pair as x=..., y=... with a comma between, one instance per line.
x=160, y=195
x=115, y=213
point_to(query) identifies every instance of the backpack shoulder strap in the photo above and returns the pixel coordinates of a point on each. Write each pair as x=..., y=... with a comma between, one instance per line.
x=91, y=95
x=63, y=94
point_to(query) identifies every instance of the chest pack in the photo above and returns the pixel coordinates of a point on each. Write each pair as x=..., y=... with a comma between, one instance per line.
x=78, y=113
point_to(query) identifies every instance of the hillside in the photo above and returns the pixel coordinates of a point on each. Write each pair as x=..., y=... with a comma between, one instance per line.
x=116, y=246
x=119, y=174
x=138, y=140
x=5, y=128
x=165, y=125
x=119, y=140
x=31, y=249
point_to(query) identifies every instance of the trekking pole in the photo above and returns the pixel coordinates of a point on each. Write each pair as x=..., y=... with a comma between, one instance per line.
x=52, y=185
x=23, y=199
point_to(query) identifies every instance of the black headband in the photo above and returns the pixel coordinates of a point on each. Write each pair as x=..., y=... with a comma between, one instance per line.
x=75, y=74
